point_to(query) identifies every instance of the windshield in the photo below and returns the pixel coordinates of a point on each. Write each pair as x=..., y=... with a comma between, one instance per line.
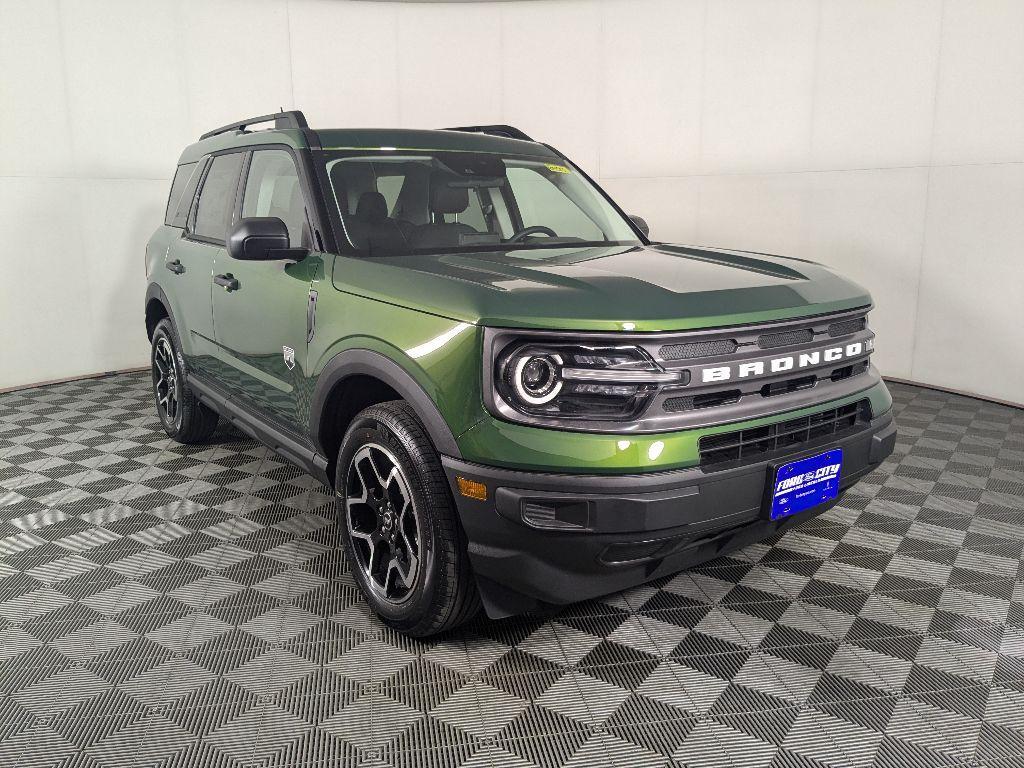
x=394, y=203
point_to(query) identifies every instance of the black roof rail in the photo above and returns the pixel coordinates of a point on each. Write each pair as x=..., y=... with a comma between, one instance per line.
x=494, y=130
x=291, y=119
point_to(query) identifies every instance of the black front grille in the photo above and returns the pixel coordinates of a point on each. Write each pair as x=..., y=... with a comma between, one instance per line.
x=693, y=349
x=785, y=338
x=846, y=327
x=756, y=443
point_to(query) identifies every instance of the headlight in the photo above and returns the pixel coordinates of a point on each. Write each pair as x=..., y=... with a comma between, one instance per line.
x=536, y=378
x=579, y=381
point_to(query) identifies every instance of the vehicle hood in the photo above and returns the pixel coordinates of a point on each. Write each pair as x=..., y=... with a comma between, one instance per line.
x=643, y=288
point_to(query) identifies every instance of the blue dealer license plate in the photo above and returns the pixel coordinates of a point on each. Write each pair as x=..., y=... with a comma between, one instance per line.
x=806, y=483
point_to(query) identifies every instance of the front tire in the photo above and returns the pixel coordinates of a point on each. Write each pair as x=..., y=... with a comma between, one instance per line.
x=182, y=415
x=404, y=545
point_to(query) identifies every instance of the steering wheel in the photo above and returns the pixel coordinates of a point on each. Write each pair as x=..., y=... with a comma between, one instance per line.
x=525, y=232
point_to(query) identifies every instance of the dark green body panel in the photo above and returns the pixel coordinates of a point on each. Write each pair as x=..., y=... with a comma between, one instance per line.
x=426, y=314
x=441, y=354
x=653, y=288
x=253, y=326
x=193, y=291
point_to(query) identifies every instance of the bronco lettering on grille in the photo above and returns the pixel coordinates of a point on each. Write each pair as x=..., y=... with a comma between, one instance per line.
x=775, y=365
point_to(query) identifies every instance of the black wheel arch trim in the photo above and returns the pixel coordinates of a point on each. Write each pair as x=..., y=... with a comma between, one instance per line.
x=365, y=362
x=154, y=291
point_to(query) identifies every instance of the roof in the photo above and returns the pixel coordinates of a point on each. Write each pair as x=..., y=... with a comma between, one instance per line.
x=290, y=137
x=369, y=139
x=403, y=138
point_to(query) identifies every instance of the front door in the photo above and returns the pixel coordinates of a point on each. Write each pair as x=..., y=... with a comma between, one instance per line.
x=260, y=307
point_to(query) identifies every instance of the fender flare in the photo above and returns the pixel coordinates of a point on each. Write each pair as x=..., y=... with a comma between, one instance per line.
x=154, y=291
x=354, y=362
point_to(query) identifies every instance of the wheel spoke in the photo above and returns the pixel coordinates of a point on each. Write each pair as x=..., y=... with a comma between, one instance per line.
x=376, y=560
x=403, y=571
x=366, y=536
x=349, y=501
x=165, y=379
x=371, y=545
x=353, y=478
x=368, y=486
x=172, y=401
x=410, y=547
x=406, y=520
x=382, y=482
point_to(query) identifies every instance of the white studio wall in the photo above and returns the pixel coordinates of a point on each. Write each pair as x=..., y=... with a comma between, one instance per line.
x=882, y=137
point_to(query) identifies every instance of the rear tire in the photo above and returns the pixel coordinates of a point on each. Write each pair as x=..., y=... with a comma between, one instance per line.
x=403, y=541
x=182, y=415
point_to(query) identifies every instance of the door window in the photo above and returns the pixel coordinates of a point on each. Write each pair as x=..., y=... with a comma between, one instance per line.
x=217, y=200
x=272, y=189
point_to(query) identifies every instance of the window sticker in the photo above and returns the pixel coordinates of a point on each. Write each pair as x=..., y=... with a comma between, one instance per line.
x=556, y=168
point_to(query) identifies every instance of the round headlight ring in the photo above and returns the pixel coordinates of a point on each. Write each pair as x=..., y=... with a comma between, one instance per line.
x=535, y=378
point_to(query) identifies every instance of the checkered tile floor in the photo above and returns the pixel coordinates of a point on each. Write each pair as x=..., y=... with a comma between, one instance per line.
x=164, y=605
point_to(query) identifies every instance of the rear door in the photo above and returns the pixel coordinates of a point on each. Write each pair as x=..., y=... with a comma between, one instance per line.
x=261, y=322
x=191, y=260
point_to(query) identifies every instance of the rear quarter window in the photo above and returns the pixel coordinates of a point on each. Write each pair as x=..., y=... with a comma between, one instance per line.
x=183, y=189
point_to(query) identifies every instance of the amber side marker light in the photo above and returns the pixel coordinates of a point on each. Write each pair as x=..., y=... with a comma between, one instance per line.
x=471, y=489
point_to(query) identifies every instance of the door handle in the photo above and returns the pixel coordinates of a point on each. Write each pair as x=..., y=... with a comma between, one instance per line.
x=228, y=282
x=175, y=266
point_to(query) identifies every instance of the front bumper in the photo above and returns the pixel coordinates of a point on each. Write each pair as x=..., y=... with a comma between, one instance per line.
x=543, y=539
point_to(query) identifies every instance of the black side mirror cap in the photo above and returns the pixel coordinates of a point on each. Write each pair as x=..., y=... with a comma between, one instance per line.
x=261, y=238
x=641, y=224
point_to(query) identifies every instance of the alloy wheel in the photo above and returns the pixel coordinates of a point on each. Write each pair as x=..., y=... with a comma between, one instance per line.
x=382, y=522
x=165, y=380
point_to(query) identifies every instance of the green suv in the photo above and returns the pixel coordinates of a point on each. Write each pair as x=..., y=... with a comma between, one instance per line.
x=519, y=400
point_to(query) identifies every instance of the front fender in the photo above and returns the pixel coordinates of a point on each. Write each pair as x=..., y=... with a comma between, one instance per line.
x=366, y=362
x=431, y=361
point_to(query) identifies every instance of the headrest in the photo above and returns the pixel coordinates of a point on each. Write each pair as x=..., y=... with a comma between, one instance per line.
x=372, y=207
x=445, y=198
x=350, y=179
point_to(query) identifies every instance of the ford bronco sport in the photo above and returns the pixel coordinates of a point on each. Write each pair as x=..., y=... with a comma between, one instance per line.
x=519, y=399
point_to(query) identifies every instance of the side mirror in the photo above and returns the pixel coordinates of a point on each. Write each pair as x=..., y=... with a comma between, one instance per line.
x=261, y=238
x=641, y=224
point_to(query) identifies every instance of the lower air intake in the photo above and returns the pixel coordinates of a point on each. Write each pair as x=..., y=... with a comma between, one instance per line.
x=709, y=400
x=755, y=443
